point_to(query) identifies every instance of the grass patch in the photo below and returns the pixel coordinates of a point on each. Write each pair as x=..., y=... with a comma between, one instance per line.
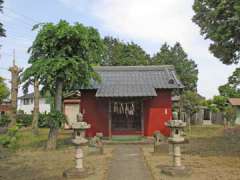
x=210, y=153
x=204, y=131
x=32, y=161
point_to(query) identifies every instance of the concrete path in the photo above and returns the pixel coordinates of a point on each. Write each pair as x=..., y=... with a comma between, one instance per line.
x=128, y=164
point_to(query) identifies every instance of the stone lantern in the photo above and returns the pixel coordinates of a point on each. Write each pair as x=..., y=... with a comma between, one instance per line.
x=79, y=140
x=176, y=139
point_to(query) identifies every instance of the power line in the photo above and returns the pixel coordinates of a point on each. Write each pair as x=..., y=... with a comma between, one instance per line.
x=23, y=22
x=23, y=15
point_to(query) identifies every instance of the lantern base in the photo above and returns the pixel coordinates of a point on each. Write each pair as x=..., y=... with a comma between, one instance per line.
x=177, y=171
x=78, y=173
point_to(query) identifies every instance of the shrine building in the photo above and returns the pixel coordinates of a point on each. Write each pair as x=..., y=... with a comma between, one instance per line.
x=128, y=100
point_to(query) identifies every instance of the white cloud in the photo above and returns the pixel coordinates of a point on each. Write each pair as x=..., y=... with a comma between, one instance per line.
x=152, y=20
x=155, y=22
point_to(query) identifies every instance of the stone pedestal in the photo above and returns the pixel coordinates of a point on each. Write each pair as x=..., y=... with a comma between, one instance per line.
x=158, y=140
x=176, y=171
x=96, y=144
x=78, y=173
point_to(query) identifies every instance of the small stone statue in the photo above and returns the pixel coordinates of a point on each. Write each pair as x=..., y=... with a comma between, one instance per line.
x=97, y=144
x=79, y=117
x=158, y=138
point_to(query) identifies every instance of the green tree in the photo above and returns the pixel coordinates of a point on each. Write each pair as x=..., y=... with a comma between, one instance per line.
x=231, y=88
x=186, y=68
x=220, y=102
x=62, y=56
x=2, y=30
x=219, y=21
x=126, y=54
x=221, y=105
x=4, y=91
x=229, y=91
x=191, y=102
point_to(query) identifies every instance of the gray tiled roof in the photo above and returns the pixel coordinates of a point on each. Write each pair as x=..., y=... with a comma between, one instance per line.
x=134, y=81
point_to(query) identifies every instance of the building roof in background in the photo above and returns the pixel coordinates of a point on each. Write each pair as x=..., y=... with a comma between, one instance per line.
x=29, y=96
x=134, y=81
x=234, y=101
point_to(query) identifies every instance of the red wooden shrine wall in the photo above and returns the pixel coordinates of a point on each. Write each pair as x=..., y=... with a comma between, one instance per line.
x=157, y=111
x=95, y=112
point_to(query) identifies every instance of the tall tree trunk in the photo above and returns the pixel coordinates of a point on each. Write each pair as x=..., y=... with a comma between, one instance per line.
x=53, y=132
x=36, y=108
x=14, y=93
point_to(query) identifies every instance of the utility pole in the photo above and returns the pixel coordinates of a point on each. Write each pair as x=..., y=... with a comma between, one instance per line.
x=15, y=71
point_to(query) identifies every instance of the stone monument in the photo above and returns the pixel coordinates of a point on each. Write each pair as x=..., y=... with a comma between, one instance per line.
x=176, y=139
x=96, y=144
x=158, y=140
x=79, y=140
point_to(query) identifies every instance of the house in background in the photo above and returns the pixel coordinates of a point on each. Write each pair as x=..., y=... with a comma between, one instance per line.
x=26, y=104
x=235, y=102
x=129, y=100
x=5, y=107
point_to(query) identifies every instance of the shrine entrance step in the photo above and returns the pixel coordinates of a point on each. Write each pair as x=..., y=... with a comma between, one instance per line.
x=126, y=138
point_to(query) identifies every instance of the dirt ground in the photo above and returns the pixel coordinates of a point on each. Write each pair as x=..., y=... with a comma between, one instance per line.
x=211, y=154
x=32, y=162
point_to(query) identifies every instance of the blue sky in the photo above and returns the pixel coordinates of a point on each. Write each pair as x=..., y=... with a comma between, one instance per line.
x=149, y=23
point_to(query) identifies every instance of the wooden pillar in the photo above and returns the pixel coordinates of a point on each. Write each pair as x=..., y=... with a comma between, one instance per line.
x=142, y=118
x=109, y=119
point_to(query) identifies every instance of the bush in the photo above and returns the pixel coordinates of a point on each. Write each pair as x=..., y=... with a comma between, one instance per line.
x=9, y=140
x=24, y=120
x=43, y=122
x=4, y=120
x=55, y=119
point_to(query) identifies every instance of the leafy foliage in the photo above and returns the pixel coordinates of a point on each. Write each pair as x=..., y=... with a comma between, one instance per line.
x=220, y=102
x=2, y=30
x=231, y=89
x=9, y=140
x=24, y=120
x=186, y=68
x=55, y=119
x=125, y=54
x=219, y=21
x=191, y=102
x=4, y=120
x=64, y=51
x=4, y=91
x=62, y=56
